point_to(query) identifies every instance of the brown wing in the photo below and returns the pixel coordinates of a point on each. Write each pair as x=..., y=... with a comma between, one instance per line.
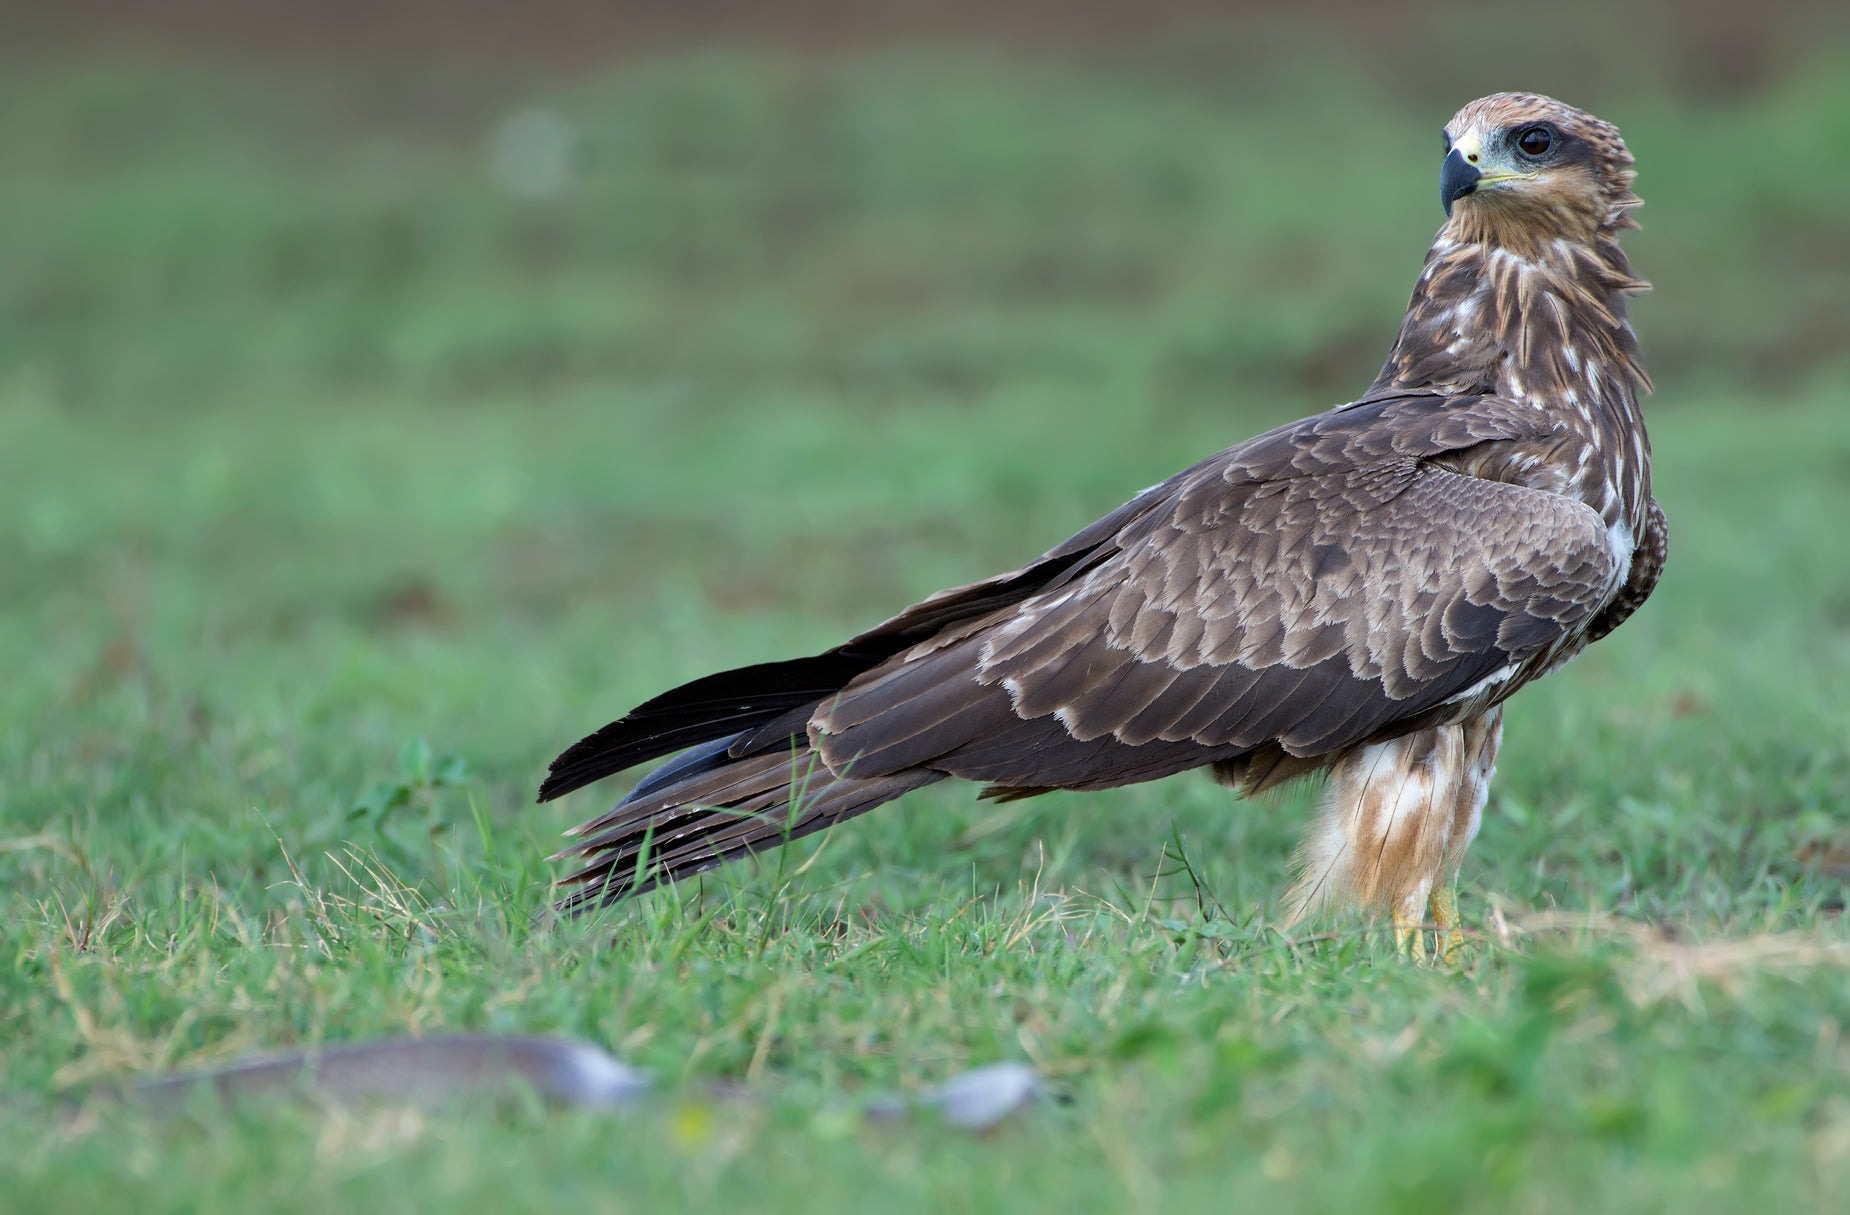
x=1310, y=589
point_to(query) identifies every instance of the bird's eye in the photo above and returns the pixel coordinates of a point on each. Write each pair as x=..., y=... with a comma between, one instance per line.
x=1534, y=142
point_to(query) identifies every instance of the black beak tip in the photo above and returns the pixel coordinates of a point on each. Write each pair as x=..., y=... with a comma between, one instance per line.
x=1457, y=178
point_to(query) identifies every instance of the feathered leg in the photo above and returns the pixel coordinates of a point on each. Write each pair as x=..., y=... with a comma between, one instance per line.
x=1395, y=825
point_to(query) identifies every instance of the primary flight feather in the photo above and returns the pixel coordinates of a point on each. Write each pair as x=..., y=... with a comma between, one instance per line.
x=1356, y=593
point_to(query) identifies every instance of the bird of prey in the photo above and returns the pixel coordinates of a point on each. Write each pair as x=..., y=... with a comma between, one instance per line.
x=1356, y=593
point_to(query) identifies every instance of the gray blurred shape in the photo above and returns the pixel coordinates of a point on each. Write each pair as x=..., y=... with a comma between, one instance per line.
x=420, y=1071
x=981, y=1098
x=532, y=153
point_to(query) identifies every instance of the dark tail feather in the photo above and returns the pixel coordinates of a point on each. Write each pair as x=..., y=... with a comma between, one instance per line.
x=727, y=704
x=705, y=808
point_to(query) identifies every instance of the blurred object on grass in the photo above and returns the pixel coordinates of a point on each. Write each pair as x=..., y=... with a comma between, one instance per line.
x=427, y=1072
x=532, y=153
x=984, y=1096
x=480, y=1070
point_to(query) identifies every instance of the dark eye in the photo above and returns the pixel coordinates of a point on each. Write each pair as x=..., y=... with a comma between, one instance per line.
x=1535, y=141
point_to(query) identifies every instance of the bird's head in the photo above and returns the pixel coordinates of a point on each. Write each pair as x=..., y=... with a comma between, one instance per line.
x=1521, y=168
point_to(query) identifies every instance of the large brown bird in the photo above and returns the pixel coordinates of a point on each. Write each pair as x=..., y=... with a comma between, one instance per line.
x=1356, y=593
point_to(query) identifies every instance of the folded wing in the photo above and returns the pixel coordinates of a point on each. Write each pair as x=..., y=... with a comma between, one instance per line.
x=1327, y=583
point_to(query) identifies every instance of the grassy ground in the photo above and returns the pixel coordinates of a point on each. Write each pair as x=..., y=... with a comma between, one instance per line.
x=315, y=443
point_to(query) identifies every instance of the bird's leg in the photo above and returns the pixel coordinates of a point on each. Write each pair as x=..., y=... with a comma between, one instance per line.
x=1399, y=817
x=1443, y=908
x=1441, y=915
x=1409, y=934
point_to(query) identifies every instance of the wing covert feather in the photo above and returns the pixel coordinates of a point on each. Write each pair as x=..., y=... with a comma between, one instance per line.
x=1307, y=589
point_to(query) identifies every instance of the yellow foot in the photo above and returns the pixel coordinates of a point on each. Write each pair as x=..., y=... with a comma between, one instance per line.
x=1442, y=906
x=1409, y=935
x=1442, y=917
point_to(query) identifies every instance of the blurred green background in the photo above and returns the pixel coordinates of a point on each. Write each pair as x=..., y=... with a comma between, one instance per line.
x=470, y=372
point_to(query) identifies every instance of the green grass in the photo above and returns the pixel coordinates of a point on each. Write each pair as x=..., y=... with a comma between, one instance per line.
x=313, y=443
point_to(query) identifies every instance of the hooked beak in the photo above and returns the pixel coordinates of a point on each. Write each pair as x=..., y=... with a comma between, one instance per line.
x=1457, y=178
